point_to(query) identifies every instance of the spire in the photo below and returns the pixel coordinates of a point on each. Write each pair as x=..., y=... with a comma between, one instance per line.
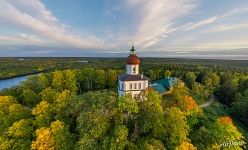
x=132, y=51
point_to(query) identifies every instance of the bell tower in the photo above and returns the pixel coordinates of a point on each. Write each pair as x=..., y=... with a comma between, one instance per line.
x=132, y=82
x=132, y=63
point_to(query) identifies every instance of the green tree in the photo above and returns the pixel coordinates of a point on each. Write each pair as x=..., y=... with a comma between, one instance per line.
x=128, y=106
x=214, y=134
x=151, y=116
x=240, y=105
x=152, y=74
x=200, y=92
x=58, y=80
x=178, y=91
x=32, y=84
x=10, y=112
x=96, y=119
x=111, y=78
x=63, y=100
x=225, y=76
x=167, y=73
x=30, y=98
x=100, y=79
x=92, y=126
x=118, y=140
x=158, y=73
x=43, y=113
x=150, y=144
x=86, y=78
x=18, y=136
x=227, y=92
x=243, y=85
x=176, y=127
x=224, y=130
x=70, y=82
x=49, y=94
x=43, y=81
x=215, y=79
x=62, y=105
x=189, y=79
x=20, y=129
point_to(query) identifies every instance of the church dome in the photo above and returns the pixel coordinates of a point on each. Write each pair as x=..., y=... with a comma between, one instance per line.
x=133, y=59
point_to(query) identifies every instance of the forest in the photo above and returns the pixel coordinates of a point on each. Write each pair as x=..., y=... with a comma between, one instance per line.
x=14, y=66
x=74, y=105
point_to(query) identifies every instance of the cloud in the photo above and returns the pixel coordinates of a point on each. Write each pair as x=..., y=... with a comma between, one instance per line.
x=158, y=18
x=226, y=27
x=221, y=31
x=35, y=17
x=235, y=11
x=211, y=20
x=27, y=39
x=220, y=44
x=201, y=23
x=159, y=27
x=166, y=25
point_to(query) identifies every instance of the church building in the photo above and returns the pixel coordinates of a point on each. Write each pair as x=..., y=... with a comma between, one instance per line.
x=132, y=82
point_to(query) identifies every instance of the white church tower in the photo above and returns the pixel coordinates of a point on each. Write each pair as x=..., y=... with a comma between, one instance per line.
x=132, y=82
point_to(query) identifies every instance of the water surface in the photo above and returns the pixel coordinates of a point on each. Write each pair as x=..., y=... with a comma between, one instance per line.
x=8, y=83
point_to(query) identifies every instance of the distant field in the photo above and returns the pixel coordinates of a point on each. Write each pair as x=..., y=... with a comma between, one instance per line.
x=11, y=67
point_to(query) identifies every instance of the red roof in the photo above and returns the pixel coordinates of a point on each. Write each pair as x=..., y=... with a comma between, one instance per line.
x=132, y=59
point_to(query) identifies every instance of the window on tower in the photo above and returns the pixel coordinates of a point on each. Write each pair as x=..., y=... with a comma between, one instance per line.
x=134, y=69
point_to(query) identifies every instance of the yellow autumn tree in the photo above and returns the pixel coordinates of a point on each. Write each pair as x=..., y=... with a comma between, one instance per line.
x=11, y=111
x=224, y=131
x=44, y=139
x=18, y=136
x=186, y=146
x=57, y=136
x=187, y=103
x=43, y=114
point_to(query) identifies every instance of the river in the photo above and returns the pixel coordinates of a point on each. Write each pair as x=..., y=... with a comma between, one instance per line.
x=8, y=83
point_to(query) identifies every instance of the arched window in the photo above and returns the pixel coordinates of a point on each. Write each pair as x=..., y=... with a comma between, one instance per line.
x=134, y=69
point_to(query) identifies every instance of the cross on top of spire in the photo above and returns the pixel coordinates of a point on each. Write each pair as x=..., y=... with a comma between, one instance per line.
x=132, y=51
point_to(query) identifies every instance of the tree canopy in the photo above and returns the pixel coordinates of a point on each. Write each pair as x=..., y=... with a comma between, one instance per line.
x=80, y=109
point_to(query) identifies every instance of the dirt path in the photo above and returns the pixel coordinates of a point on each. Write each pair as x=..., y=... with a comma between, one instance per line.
x=209, y=102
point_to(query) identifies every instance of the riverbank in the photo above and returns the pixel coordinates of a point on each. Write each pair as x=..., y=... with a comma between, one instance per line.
x=23, y=75
x=15, y=81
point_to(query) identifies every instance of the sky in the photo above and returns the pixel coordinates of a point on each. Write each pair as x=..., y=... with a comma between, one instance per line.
x=108, y=28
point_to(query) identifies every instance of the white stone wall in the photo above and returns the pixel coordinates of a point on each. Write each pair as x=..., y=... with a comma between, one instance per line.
x=130, y=69
x=143, y=83
x=137, y=86
x=125, y=87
